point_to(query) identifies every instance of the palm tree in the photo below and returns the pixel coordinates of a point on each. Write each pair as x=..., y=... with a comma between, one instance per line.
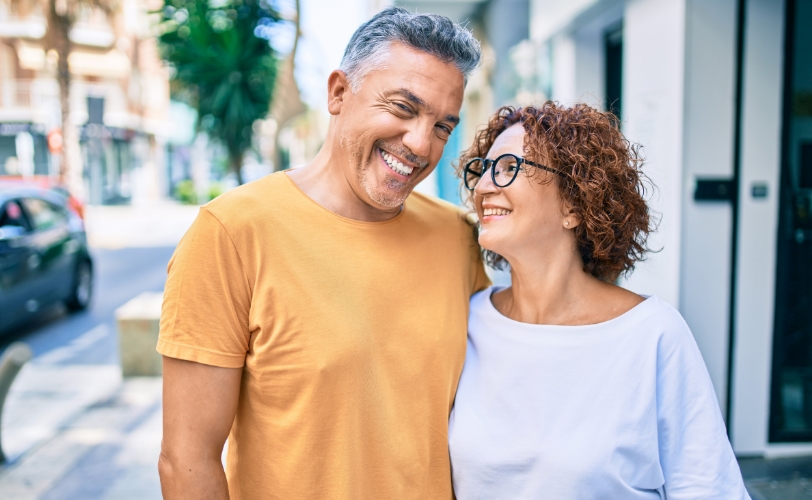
x=60, y=17
x=223, y=65
x=287, y=100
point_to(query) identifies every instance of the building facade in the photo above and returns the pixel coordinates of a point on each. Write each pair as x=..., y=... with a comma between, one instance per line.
x=119, y=101
x=720, y=96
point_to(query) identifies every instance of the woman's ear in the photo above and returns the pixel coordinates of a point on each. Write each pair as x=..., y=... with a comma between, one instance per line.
x=571, y=220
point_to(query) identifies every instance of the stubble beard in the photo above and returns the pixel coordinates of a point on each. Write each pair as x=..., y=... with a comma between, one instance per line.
x=400, y=190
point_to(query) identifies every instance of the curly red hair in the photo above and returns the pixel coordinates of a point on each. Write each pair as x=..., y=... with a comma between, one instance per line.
x=602, y=183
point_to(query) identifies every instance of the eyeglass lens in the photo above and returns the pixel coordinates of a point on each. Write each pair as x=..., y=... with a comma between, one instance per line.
x=473, y=172
x=504, y=171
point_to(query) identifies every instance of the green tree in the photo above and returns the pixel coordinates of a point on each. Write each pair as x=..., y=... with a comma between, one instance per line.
x=223, y=65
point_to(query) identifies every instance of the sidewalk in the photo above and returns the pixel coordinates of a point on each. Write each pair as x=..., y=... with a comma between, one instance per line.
x=778, y=478
x=102, y=441
x=78, y=431
x=106, y=450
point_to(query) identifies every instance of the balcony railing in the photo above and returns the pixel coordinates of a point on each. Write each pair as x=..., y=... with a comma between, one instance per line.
x=28, y=93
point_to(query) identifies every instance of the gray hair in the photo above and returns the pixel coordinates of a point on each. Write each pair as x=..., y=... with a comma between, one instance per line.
x=430, y=33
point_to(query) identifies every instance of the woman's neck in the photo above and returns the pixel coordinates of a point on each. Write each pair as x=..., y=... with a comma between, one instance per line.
x=552, y=288
x=546, y=291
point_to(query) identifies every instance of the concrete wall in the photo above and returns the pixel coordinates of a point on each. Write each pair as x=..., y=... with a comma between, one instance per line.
x=653, y=96
x=708, y=133
x=758, y=225
x=678, y=84
x=505, y=26
x=653, y=102
x=579, y=60
x=679, y=91
x=564, y=64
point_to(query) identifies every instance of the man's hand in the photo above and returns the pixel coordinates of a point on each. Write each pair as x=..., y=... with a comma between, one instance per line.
x=199, y=404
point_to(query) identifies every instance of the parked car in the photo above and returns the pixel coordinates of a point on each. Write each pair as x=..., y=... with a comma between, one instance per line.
x=50, y=183
x=44, y=255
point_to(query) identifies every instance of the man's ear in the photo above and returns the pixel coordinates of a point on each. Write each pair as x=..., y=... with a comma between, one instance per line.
x=337, y=87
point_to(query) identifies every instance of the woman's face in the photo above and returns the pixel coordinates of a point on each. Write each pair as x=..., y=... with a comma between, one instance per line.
x=525, y=216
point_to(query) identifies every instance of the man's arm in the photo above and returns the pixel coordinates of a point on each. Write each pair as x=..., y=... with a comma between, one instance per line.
x=199, y=404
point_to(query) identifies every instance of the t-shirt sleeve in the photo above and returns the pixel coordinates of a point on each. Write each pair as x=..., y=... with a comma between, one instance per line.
x=695, y=453
x=207, y=298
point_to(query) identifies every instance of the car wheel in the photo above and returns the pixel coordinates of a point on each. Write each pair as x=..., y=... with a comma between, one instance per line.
x=82, y=290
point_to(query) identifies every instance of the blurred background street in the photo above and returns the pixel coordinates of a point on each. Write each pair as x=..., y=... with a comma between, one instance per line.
x=110, y=141
x=85, y=434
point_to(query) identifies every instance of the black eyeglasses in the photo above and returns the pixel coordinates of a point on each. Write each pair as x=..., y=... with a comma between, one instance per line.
x=503, y=170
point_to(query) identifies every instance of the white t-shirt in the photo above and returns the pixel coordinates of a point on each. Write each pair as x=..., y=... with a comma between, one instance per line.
x=623, y=409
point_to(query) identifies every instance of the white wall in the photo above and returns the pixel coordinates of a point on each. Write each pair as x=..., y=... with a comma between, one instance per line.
x=679, y=91
x=564, y=64
x=653, y=65
x=590, y=67
x=708, y=131
x=679, y=103
x=758, y=226
x=327, y=27
x=549, y=16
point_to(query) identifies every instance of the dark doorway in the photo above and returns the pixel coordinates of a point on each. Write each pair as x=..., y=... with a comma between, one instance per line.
x=791, y=399
x=613, y=42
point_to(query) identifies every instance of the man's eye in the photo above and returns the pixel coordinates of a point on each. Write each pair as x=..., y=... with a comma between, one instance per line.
x=445, y=129
x=403, y=107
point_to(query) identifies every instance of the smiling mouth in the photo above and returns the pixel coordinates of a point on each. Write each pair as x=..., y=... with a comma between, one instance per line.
x=495, y=211
x=396, y=164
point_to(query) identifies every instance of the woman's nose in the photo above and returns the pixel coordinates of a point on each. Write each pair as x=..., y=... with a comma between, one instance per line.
x=485, y=184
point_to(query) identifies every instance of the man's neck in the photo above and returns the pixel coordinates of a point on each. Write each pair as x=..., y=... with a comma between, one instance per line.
x=323, y=181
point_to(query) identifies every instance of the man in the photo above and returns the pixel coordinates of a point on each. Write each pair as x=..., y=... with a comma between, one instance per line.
x=317, y=317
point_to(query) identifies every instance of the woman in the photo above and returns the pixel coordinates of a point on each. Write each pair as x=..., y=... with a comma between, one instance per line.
x=574, y=388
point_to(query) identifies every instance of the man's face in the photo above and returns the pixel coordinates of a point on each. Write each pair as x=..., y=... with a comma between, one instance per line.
x=394, y=127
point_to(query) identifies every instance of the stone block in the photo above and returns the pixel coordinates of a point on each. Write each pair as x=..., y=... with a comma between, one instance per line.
x=138, y=325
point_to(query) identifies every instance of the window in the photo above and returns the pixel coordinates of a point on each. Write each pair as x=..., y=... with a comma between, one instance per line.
x=13, y=215
x=43, y=215
x=613, y=38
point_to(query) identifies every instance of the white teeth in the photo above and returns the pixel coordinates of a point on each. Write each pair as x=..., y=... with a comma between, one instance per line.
x=396, y=165
x=495, y=211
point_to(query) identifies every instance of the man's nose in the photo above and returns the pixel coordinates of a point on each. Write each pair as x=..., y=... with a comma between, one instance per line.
x=418, y=139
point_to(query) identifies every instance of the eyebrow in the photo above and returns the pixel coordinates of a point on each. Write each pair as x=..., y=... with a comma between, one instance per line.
x=417, y=101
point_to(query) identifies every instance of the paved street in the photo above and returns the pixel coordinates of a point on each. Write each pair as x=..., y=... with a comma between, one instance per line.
x=120, y=275
x=72, y=428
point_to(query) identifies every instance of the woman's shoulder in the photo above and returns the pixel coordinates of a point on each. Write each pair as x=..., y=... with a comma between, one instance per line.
x=670, y=330
x=481, y=299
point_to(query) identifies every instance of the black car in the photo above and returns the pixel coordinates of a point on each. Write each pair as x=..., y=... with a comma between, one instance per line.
x=44, y=254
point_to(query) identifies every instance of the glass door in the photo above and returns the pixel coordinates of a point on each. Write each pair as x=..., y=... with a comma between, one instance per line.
x=791, y=401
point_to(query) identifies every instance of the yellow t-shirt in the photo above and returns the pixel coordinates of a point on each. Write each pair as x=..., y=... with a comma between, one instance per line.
x=352, y=337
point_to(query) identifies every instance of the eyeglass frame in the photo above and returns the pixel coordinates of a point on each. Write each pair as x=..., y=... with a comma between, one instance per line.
x=488, y=164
